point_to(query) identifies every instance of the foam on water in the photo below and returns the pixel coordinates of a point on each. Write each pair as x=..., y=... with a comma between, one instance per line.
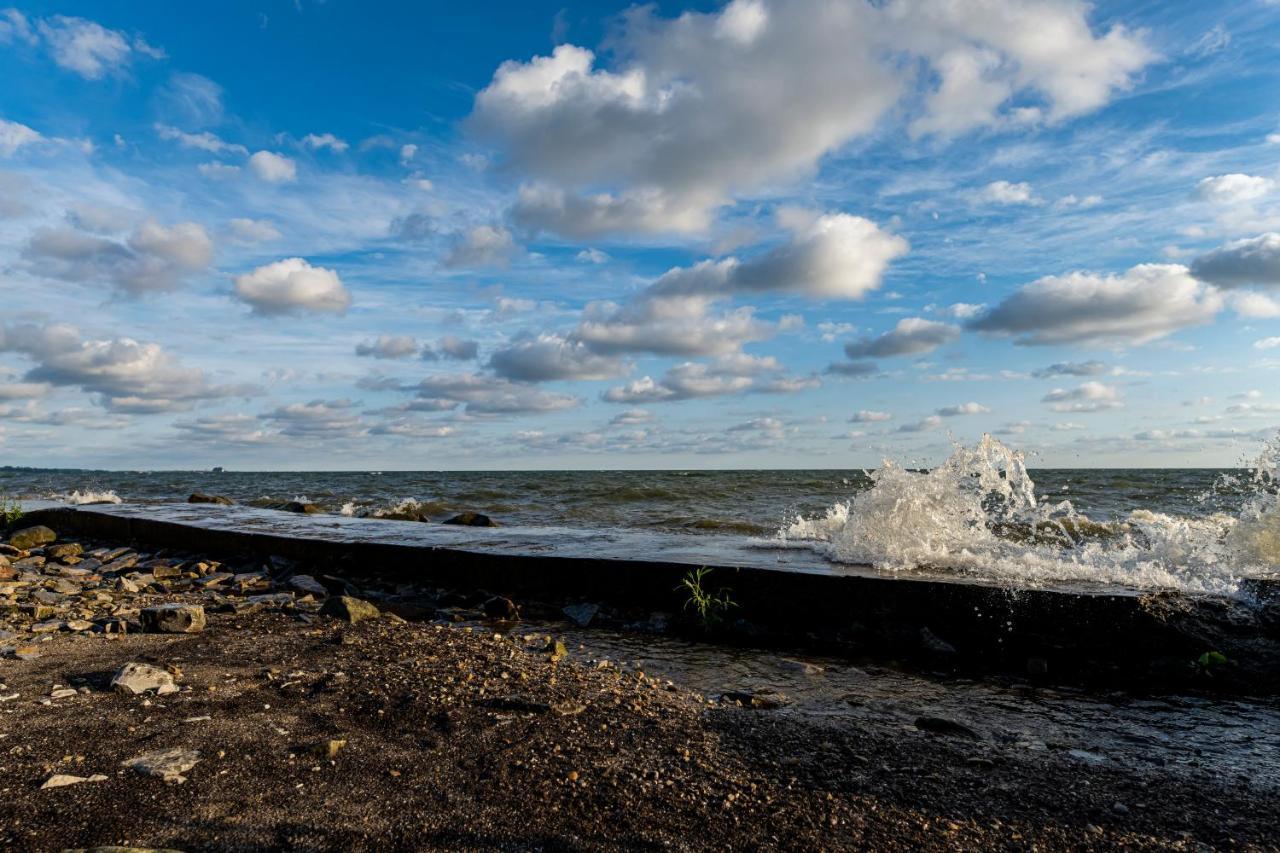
x=977, y=514
x=89, y=496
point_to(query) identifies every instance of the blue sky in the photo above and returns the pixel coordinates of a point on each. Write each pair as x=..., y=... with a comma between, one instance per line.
x=773, y=233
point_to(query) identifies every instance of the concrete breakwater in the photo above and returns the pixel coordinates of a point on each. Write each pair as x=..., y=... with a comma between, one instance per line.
x=1091, y=635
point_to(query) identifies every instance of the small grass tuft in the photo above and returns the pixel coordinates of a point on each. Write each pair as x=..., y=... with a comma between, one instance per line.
x=709, y=606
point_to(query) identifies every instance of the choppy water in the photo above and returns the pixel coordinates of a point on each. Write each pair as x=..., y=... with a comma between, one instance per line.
x=979, y=514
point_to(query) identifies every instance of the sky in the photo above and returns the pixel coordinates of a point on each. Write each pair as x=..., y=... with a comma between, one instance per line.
x=772, y=233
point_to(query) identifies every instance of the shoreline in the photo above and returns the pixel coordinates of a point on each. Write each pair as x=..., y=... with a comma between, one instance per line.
x=312, y=732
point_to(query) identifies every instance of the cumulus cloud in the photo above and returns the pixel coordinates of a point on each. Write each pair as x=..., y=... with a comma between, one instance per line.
x=458, y=349
x=1003, y=192
x=1085, y=398
x=550, y=357
x=962, y=409
x=1267, y=343
x=482, y=246
x=316, y=141
x=292, y=286
x=696, y=111
x=224, y=429
x=1147, y=302
x=1254, y=261
x=932, y=422
x=912, y=336
x=870, y=416
x=730, y=374
x=273, y=168
x=14, y=136
x=671, y=325
x=1255, y=305
x=155, y=257
x=129, y=376
x=317, y=419
x=1233, y=189
x=388, y=347
x=489, y=395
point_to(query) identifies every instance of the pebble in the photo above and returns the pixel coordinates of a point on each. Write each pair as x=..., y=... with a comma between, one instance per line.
x=166, y=764
x=61, y=780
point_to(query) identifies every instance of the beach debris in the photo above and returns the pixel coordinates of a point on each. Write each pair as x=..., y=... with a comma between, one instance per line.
x=471, y=519
x=349, y=609
x=32, y=537
x=138, y=678
x=61, y=780
x=943, y=726
x=167, y=764
x=173, y=618
x=581, y=614
x=500, y=607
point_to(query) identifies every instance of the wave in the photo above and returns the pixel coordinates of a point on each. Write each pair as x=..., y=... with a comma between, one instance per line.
x=977, y=514
x=88, y=496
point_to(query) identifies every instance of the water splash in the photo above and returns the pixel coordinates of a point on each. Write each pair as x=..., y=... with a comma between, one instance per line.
x=89, y=496
x=978, y=515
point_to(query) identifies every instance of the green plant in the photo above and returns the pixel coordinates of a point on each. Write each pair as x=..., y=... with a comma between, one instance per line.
x=709, y=606
x=10, y=510
x=1207, y=662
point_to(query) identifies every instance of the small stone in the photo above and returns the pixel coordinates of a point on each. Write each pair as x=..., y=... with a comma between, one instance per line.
x=61, y=780
x=167, y=764
x=581, y=614
x=137, y=678
x=126, y=585
x=349, y=609
x=760, y=700
x=173, y=618
x=31, y=537
x=1119, y=808
x=328, y=748
x=62, y=693
x=26, y=653
x=163, y=572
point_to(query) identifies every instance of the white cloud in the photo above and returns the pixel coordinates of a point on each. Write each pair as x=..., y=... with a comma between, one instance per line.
x=317, y=420
x=1147, y=302
x=592, y=256
x=191, y=99
x=316, y=141
x=388, y=347
x=730, y=374
x=1003, y=192
x=218, y=171
x=869, y=416
x=88, y=48
x=1255, y=305
x=407, y=153
x=203, y=141
x=1267, y=343
x=1072, y=368
x=1255, y=260
x=154, y=257
x=292, y=286
x=1085, y=398
x=932, y=422
x=962, y=409
x=130, y=376
x=458, y=349
x=705, y=106
x=15, y=27
x=273, y=168
x=1233, y=188
x=14, y=136
x=668, y=325
x=489, y=395
x=912, y=336
x=550, y=357
x=254, y=230
x=482, y=246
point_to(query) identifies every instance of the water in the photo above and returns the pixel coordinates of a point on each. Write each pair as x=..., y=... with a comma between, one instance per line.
x=980, y=514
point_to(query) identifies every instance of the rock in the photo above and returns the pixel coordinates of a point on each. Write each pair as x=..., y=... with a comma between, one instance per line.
x=64, y=550
x=138, y=678
x=272, y=599
x=7, y=572
x=26, y=653
x=1119, y=808
x=801, y=666
x=165, y=573
x=471, y=519
x=350, y=609
x=581, y=614
x=327, y=748
x=299, y=507
x=167, y=764
x=173, y=618
x=934, y=644
x=31, y=537
x=761, y=700
x=943, y=726
x=500, y=607
x=309, y=585
x=61, y=780
x=201, y=498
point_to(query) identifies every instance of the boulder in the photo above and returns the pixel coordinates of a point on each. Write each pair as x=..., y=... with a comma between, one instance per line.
x=349, y=609
x=31, y=537
x=500, y=607
x=137, y=678
x=202, y=498
x=308, y=585
x=471, y=519
x=581, y=614
x=173, y=618
x=299, y=507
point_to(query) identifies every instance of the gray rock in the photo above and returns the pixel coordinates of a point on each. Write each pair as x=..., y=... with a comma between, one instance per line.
x=137, y=678
x=934, y=644
x=500, y=607
x=30, y=537
x=762, y=700
x=173, y=618
x=943, y=726
x=581, y=614
x=167, y=764
x=309, y=585
x=350, y=609
x=201, y=498
x=472, y=519
x=64, y=550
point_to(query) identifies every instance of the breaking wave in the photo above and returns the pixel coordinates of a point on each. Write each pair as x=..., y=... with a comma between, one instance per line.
x=88, y=496
x=978, y=515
